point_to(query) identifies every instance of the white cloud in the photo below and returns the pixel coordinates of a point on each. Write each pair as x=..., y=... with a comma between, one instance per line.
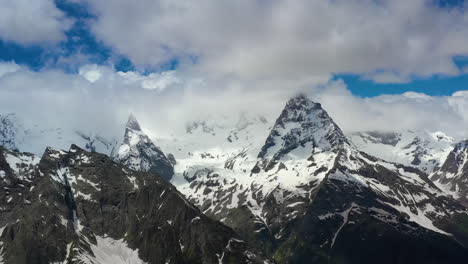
x=386, y=77
x=160, y=81
x=32, y=22
x=90, y=72
x=154, y=81
x=8, y=67
x=411, y=110
x=290, y=39
x=70, y=101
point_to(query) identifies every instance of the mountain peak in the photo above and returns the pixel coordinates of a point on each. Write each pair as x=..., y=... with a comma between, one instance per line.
x=138, y=152
x=302, y=130
x=302, y=122
x=132, y=123
x=302, y=101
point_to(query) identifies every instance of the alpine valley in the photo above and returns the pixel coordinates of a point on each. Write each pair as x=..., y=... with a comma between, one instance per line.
x=238, y=189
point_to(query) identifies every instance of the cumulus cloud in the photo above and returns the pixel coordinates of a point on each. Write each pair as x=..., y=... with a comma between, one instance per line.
x=32, y=22
x=291, y=39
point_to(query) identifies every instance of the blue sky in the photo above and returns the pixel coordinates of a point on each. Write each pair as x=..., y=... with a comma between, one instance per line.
x=80, y=40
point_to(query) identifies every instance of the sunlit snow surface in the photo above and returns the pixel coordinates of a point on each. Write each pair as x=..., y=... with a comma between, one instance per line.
x=421, y=149
x=108, y=250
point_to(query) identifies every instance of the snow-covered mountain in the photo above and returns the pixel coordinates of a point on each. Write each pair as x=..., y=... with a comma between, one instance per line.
x=299, y=189
x=420, y=149
x=81, y=207
x=135, y=150
x=306, y=177
x=138, y=152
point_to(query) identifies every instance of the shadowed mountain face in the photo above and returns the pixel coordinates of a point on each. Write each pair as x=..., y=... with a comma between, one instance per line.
x=82, y=207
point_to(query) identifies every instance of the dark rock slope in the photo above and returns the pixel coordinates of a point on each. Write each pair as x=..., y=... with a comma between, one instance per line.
x=82, y=207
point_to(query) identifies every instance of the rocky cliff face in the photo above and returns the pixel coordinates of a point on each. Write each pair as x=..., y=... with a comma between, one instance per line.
x=138, y=152
x=82, y=207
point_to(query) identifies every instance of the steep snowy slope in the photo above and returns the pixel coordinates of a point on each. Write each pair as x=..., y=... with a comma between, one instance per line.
x=81, y=207
x=139, y=153
x=215, y=143
x=308, y=177
x=420, y=149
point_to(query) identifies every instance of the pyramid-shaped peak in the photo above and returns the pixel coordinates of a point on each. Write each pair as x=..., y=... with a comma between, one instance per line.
x=132, y=123
x=302, y=101
x=302, y=123
x=300, y=109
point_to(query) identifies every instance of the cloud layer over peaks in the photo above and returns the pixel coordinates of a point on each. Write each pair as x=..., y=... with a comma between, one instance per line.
x=100, y=100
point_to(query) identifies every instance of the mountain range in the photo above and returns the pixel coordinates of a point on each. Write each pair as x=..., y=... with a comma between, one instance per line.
x=244, y=190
